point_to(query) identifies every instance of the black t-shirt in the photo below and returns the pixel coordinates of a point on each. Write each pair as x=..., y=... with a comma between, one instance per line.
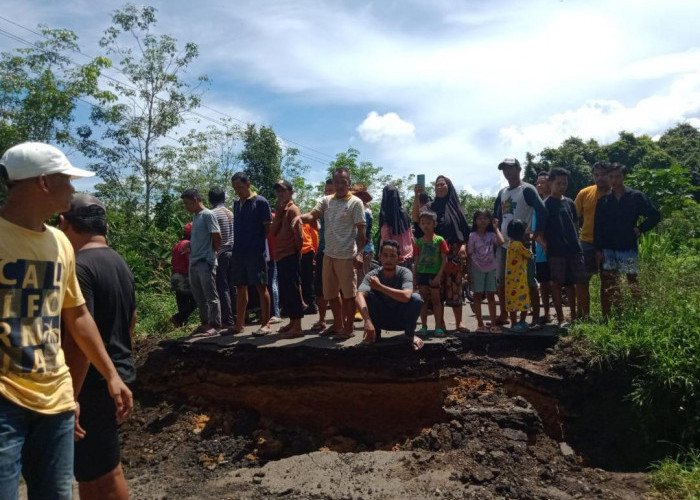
x=108, y=287
x=560, y=230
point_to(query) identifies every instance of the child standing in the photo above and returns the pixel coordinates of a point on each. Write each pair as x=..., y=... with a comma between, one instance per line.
x=516, y=287
x=430, y=257
x=483, y=239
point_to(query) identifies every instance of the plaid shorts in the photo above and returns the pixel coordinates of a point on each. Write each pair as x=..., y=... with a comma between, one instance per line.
x=567, y=270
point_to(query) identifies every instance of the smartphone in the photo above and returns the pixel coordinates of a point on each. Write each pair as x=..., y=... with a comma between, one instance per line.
x=421, y=180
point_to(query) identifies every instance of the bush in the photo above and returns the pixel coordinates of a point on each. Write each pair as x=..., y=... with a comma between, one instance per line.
x=660, y=339
x=677, y=479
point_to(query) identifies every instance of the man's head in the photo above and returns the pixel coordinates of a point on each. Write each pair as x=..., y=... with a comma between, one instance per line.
x=616, y=175
x=389, y=255
x=284, y=191
x=191, y=200
x=329, y=188
x=600, y=175
x=86, y=215
x=241, y=185
x=427, y=222
x=216, y=196
x=511, y=169
x=341, y=181
x=542, y=184
x=558, y=181
x=42, y=173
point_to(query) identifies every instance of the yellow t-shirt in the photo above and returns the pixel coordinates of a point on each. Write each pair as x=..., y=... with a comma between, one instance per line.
x=586, y=201
x=37, y=280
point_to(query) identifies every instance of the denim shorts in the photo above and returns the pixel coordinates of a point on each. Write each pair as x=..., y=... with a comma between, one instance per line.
x=621, y=261
x=40, y=447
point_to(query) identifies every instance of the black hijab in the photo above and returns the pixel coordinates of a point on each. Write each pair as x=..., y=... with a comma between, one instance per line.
x=392, y=211
x=452, y=225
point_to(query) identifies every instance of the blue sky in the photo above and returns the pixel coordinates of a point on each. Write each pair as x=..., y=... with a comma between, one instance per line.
x=440, y=87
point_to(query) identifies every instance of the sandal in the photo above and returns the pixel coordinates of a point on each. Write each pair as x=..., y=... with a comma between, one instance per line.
x=261, y=332
x=439, y=333
x=206, y=334
x=328, y=332
x=520, y=327
x=318, y=326
x=482, y=329
x=423, y=332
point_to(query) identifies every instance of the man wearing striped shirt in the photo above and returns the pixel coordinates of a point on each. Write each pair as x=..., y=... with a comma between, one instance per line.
x=224, y=217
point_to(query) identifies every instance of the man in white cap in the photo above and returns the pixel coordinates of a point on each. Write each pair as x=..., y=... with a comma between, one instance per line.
x=38, y=290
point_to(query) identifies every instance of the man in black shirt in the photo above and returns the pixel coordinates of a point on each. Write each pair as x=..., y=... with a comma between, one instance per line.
x=564, y=253
x=108, y=287
x=615, y=235
x=386, y=299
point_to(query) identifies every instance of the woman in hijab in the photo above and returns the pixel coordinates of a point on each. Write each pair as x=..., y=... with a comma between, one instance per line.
x=395, y=224
x=451, y=225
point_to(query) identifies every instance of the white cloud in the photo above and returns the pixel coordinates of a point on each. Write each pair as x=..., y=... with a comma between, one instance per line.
x=388, y=127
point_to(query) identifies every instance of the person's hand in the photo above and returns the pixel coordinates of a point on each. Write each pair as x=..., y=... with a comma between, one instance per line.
x=417, y=189
x=374, y=283
x=494, y=222
x=123, y=399
x=462, y=254
x=358, y=261
x=78, y=432
x=599, y=258
x=370, y=335
x=637, y=232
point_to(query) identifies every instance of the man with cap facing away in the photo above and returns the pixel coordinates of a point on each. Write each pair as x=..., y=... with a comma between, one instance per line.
x=38, y=290
x=107, y=285
x=288, y=232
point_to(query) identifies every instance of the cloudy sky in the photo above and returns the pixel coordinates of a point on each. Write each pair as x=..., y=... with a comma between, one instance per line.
x=434, y=87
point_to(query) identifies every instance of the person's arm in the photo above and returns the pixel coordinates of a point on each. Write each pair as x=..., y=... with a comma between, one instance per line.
x=444, y=251
x=533, y=199
x=297, y=228
x=399, y=295
x=578, y=204
x=83, y=330
x=500, y=240
x=649, y=211
x=415, y=210
x=215, y=241
x=78, y=366
x=497, y=211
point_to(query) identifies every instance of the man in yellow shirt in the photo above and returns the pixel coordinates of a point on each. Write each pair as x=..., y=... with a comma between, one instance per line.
x=38, y=290
x=585, y=203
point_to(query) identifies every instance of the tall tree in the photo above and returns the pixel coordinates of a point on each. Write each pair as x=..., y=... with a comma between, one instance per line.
x=39, y=87
x=682, y=143
x=154, y=99
x=262, y=158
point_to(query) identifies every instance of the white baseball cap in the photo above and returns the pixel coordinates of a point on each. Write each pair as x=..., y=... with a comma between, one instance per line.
x=32, y=159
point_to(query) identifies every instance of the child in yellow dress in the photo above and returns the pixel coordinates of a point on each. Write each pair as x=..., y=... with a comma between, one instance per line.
x=517, y=292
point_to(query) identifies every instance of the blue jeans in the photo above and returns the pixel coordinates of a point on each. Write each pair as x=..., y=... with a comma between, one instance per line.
x=41, y=447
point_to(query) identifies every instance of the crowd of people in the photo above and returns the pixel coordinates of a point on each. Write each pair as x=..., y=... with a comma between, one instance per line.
x=68, y=307
x=533, y=251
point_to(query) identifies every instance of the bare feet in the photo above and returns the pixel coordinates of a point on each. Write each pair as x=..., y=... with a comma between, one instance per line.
x=417, y=343
x=292, y=334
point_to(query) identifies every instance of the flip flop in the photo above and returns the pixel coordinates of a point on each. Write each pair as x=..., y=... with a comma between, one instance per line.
x=318, y=326
x=206, y=334
x=328, y=332
x=261, y=332
x=439, y=333
x=521, y=327
x=423, y=332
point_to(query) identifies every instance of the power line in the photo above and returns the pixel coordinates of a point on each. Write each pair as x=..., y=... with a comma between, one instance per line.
x=318, y=159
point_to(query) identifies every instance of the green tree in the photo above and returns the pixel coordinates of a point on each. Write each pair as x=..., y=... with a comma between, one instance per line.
x=574, y=155
x=670, y=189
x=262, y=158
x=682, y=143
x=39, y=87
x=637, y=151
x=153, y=101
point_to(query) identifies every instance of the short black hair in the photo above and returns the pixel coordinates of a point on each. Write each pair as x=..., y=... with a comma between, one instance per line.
x=92, y=225
x=391, y=243
x=516, y=230
x=341, y=170
x=617, y=166
x=329, y=182
x=558, y=172
x=216, y=195
x=241, y=176
x=542, y=174
x=602, y=164
x=191, y=194
x=428, y=213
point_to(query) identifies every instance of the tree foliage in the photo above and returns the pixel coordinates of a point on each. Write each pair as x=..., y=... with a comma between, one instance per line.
x=262, y=158
x=153, y=101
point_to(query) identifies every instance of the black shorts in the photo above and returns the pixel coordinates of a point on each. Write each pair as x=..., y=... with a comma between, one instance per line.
x=248, y=270
x=542, y=272
x=424, y=279
x=568, y=270
x=98, y=452
x=318, y=275
x=589, y=259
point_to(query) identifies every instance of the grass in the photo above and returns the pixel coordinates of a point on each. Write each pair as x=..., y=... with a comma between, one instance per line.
x=677, y=479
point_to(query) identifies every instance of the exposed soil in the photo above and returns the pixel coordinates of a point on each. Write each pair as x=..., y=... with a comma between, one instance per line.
x=475, y=417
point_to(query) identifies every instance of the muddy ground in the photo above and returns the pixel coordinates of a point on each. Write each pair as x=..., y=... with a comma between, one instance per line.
x=471, y=417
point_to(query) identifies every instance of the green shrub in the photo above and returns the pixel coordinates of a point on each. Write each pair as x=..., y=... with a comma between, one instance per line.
x=677, y=479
